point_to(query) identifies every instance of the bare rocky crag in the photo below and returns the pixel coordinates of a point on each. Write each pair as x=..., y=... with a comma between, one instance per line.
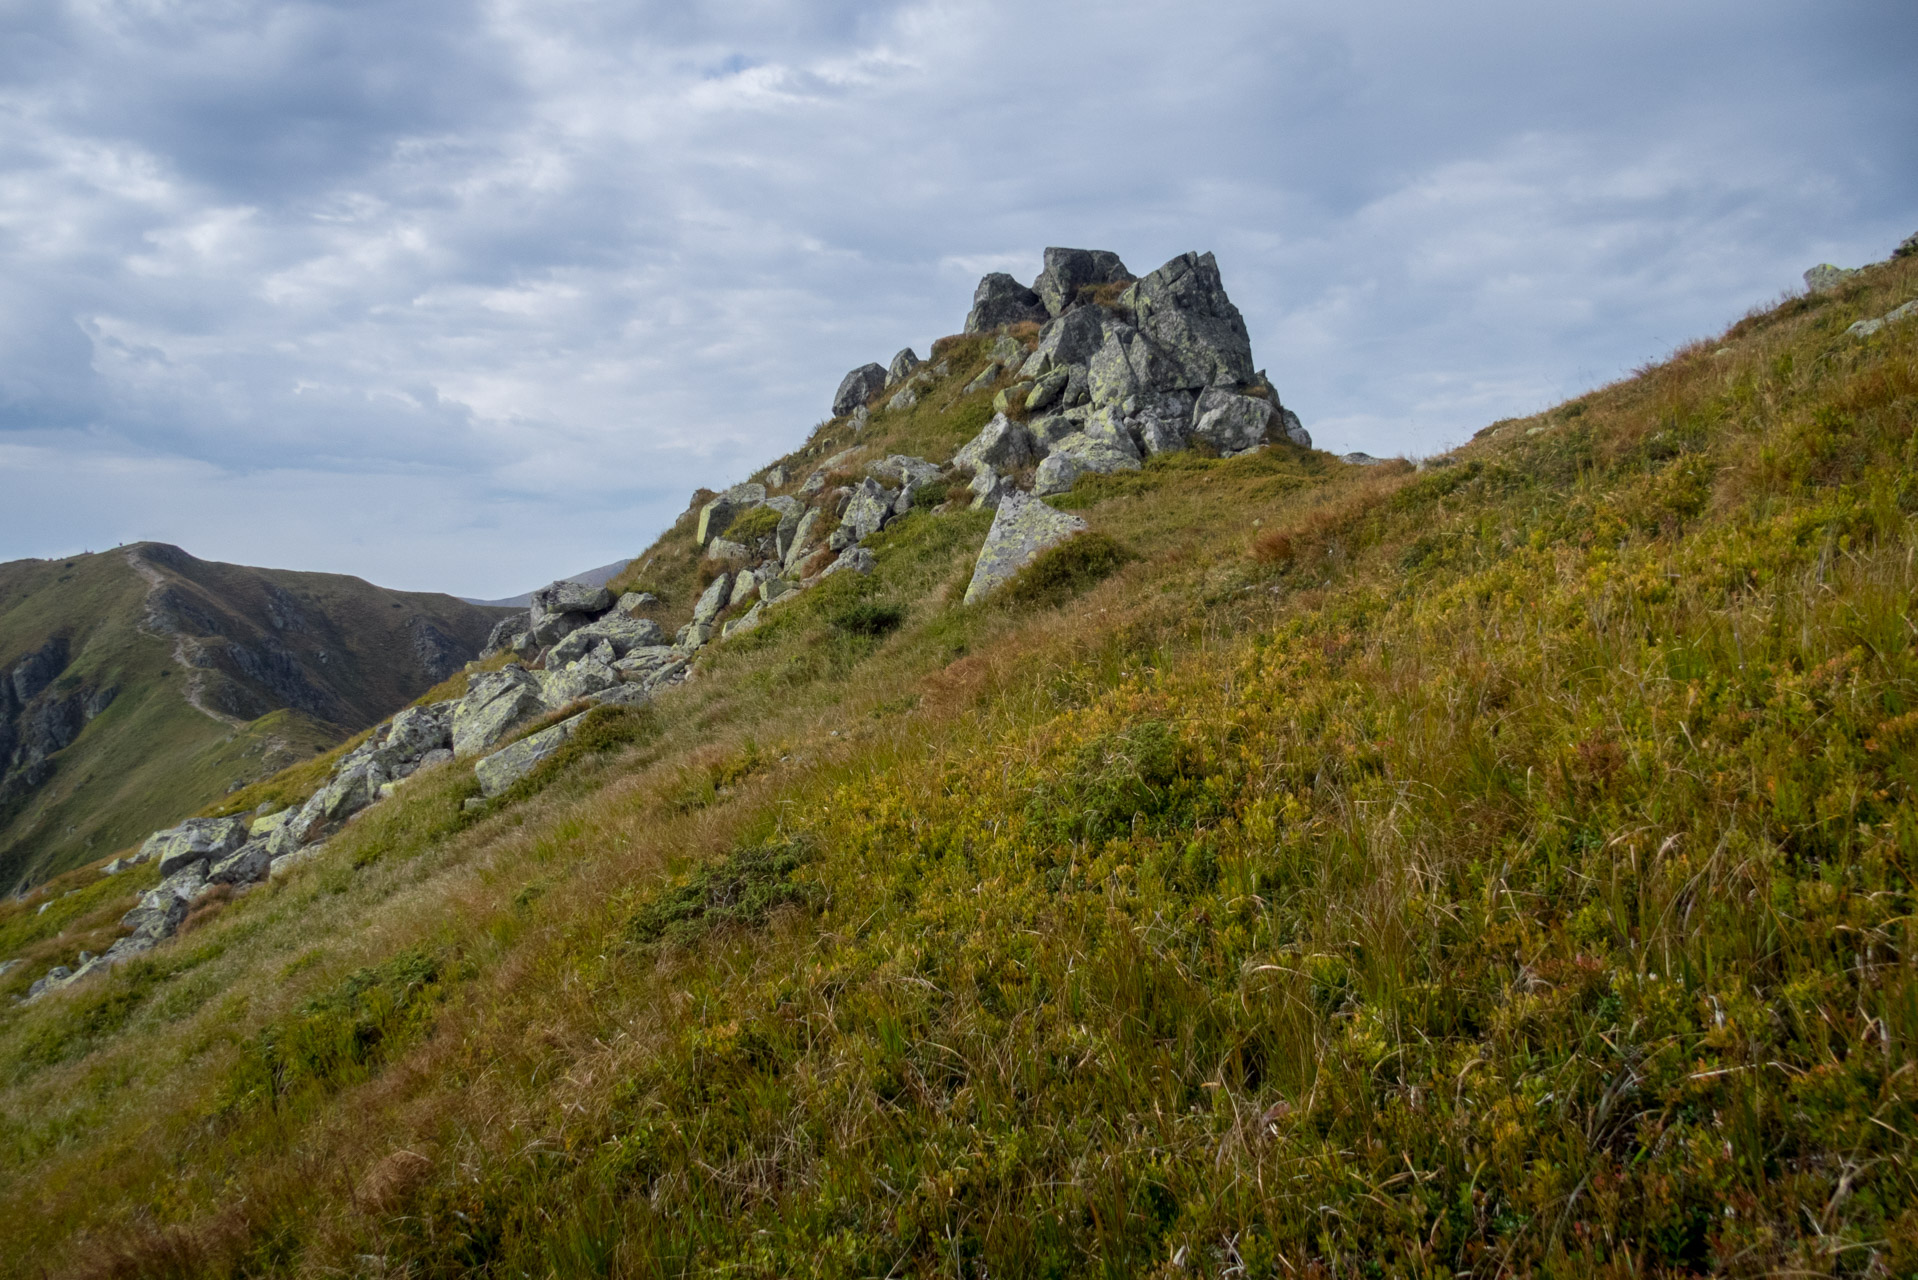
x=1120, y=369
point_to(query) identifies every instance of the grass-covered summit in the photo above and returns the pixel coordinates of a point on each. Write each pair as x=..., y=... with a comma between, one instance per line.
x=1497, y=867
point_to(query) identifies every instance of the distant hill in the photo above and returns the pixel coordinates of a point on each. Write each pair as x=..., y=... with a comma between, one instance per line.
x=592, y=578
x=138, y=684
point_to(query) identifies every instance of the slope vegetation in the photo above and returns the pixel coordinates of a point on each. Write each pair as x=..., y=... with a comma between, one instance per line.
x=1501, y=866
x=142, y=683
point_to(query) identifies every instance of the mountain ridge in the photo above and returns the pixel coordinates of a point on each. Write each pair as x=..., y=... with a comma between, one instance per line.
x=1497, y=865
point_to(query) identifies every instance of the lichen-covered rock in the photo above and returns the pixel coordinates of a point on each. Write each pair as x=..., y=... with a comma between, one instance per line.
x=633, y=600
x=1232, y=423
x=1068, y=271
x=414, y=732
x=1077, y=455
x=618, y=631
x=853, y=559
x=246, y=865
x=745, y=587
x=902, y=469
x=162, y=907
x=651, y=667
x=1292, y=429
x=713, y=599
x=1021, y=529
x=718, y=515
x=1824, y=277
x=577, y=680
x=197, y=840
x=746, y=621
x=1048, y=390
x=1069, y=340
x=805, y=538
x=495, y=701
x=1002, y=445
x=902, y=367
x=1010, y=398
x=867, y=511
x=511, y=763
x=1000, y=300
x=509, y=634
x=1182, y=307
x=573, y=597
x=351, y=789
x=857, y=387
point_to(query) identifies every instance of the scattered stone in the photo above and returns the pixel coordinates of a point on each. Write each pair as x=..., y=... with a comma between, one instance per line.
x=906, y=398
x=1293, y=429
x=286, y=863
x=573, y=597
x=1001, y=300
x=577, y=680
x=245, y=865
x=718, y=515
x=718, y=592
x=1048, y=390
x=1865, y=328
x=776, y=477
x=857, y=387
x=774, y=588
x=1356, y=459
x=512, y=762
x=1077, y=455
x=195, y=841
x=1011, y=397
x=1003, y=445
x=636, y=600
x=902, y=470
x=856, y=559
x=1021, y=529
x=867, y=511
x=617, y=631
x=745, y=586
x=1824, y=277
x=1232, y=423
x=746, y=621
x=983, y=379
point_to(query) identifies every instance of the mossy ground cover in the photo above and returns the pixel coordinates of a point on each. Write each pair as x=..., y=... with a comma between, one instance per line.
x=1502, y=868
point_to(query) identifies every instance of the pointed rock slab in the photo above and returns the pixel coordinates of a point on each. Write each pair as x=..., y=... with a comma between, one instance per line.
x=495, y=701
x=509, y=764
x=1000, y=300
x=1183, y=309
x=1021, y=529
x=1003, y=445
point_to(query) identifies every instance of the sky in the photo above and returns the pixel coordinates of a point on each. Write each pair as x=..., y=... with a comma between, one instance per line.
x=465, y=296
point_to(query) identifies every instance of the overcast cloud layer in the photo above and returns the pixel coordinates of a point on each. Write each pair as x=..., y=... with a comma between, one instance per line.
x=461, y=296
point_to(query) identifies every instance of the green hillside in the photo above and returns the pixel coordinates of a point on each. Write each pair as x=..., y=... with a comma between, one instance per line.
x=1502, y=866
x=188, y=678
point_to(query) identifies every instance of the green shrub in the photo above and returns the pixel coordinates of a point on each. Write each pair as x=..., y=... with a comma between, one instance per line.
x=1063, y=571
x=743, y=889
x=750, y=527
x=869, y=618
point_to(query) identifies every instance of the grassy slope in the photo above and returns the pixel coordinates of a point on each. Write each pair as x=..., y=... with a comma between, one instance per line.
x=1504, y=867
x=149, y=758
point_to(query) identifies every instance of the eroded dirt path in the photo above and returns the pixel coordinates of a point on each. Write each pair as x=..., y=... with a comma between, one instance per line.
x=185, y=647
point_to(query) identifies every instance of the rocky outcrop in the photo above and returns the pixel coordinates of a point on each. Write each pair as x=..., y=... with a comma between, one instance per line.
x=857, y=387
x=999, y=301
x=1069, y=271
x=508, y=765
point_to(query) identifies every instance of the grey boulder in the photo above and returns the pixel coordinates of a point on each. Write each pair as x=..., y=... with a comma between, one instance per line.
x=244, y=865
x=713, y=599
x=575, y=681
x=573, y=597
x=1077, y=455
x=1000, y=300
x=1068, y=271
x=857, y=387
x=1231, y=423
x=867, y=511
x=901, y=469
x=718, y=515
x=1003, y=445
x=1824, y=277
x=902, y=367
x=1021, y=529
x=1071, y=339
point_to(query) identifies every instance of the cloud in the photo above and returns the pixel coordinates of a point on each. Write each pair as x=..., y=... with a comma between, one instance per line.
x=464, y=295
